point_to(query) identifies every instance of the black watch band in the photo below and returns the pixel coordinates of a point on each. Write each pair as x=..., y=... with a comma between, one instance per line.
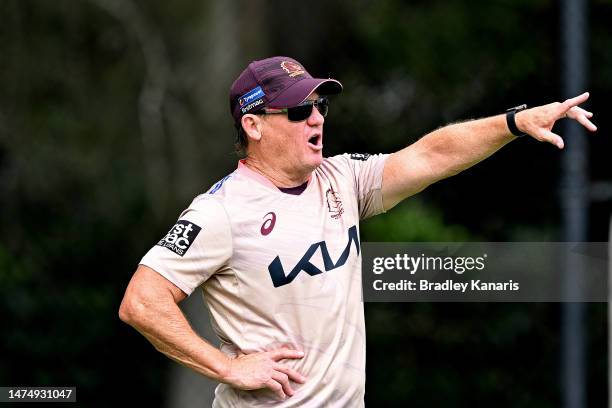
x=511, y=122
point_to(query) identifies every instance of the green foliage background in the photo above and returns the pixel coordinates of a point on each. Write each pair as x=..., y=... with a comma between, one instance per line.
x=113, y=115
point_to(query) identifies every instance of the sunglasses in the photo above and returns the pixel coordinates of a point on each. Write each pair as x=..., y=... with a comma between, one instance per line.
x=302, y=111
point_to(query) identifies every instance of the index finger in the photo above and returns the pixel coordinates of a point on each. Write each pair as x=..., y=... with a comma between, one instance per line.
x=279, y=354
x=575, y=101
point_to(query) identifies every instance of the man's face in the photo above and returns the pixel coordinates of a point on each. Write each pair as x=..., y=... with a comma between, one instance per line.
x=294, y=145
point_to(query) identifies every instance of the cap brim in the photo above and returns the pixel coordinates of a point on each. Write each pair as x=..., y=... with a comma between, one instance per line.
x=298, y=92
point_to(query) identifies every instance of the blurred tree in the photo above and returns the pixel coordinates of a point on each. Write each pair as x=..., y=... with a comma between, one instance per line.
x=114, y=115
x=151, y=97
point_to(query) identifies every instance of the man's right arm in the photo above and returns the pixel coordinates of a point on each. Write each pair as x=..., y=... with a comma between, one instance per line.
x=150, y=305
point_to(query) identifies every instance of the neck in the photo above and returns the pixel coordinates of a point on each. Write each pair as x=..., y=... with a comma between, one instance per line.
x=279, y=176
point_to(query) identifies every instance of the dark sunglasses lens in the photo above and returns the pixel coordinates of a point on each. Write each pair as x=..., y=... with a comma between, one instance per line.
x=299, y=113
x=303, y=112
x=323, y=106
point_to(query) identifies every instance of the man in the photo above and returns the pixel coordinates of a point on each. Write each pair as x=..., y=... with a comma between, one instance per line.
x=275, y=244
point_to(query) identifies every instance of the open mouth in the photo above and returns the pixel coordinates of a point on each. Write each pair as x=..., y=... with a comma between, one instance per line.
x=315, y=142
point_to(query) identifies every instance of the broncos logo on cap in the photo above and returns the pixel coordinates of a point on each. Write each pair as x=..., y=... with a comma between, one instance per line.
x=292, y=68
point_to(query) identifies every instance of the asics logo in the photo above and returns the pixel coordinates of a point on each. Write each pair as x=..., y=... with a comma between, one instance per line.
x=268, y=225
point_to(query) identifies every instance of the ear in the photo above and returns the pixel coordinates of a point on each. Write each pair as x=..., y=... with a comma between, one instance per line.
x=252, y=126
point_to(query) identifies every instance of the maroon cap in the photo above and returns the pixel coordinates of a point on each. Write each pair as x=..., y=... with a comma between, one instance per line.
x=277, y=82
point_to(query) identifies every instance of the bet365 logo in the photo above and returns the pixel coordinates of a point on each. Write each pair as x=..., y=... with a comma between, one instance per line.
x=180, y=237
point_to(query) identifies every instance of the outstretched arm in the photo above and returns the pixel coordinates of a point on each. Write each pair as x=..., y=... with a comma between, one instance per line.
x=451, y=149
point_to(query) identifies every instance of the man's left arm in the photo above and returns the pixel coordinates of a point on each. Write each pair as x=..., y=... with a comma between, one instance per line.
x=451, y=149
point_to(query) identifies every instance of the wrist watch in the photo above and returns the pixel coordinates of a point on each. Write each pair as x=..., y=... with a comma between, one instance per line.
x=511, y=122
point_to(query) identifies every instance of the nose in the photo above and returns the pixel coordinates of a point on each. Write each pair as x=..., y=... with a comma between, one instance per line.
x=315, y=118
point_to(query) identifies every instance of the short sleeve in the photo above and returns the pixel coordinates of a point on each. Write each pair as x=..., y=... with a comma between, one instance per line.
x=368, y=176
x=197, y=246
